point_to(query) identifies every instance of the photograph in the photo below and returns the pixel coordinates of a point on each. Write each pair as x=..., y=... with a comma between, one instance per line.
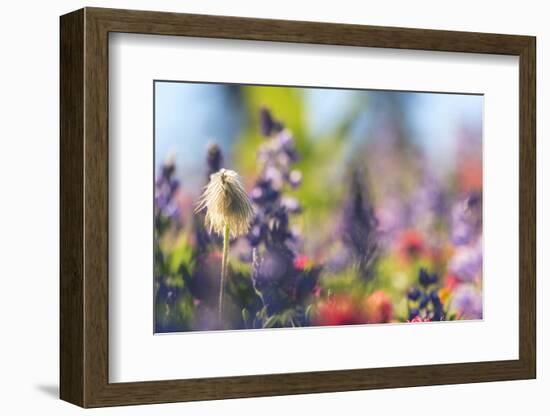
x=299, y=206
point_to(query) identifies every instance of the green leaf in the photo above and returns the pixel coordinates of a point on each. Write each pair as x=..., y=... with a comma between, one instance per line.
x=271, y=321
x=246, y=317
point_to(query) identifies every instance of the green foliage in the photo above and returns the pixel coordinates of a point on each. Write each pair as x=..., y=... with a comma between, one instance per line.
x=288, y=318
x=174, y=263
x=241, y=291
x=181, y=255
x=346, y=282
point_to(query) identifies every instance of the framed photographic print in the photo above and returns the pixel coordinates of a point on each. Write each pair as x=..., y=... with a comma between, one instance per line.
x=262, y=207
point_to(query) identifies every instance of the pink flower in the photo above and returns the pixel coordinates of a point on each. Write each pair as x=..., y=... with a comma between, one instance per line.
x=419, y=319
x=302, y=262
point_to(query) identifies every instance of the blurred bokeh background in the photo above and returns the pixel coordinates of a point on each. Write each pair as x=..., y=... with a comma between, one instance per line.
x=368, y=206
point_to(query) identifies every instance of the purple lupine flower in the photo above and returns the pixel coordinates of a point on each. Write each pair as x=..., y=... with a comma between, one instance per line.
x=275, y=176
x=280, y=232
x=263, y=193
x=340, y=259
x=291, y=205
x=358, y=227
x=279, y=280
x=286, y=148
x=206, y=318
x=390, y=218
x=276, y=278
x=268, y=125
x=427, y=203
x=467, y=302
x=276, y=157
x=467, y=262
x=214, y=159
x=257, y=233
x=271, y=274
x=166, y=209
x=295, y=178
x=466, y=219
x=168, y=168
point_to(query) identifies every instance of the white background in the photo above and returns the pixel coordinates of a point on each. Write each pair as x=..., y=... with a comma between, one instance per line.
x=29, y=212
x=135, y=60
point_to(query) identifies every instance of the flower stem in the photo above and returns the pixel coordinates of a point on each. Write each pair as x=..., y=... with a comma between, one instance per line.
x=224, y=270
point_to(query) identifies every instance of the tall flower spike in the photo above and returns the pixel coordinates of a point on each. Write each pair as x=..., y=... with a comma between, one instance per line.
x=226, y=203
x=359, y=224
x=213, y=159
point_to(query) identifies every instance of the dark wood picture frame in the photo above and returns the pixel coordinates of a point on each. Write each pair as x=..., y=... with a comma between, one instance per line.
x=84, y=207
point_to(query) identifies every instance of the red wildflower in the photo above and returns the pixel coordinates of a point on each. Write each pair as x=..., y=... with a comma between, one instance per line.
x=470, y=175
x=410, y=245
x=451, y=281
x=338, y=310
x=378, y=308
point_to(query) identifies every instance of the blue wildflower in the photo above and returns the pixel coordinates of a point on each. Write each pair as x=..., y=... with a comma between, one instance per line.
x=414, y=293
x=424, y=303
x=413, y=313
x=426, y=279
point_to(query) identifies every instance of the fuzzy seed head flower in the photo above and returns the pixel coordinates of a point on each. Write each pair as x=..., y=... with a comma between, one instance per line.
x=226, y=202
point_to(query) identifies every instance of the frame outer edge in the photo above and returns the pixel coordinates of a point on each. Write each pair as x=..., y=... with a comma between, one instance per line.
x=528, y=208
x=96, y=208
x=302, y=31
x=84, y=203
x=71, y=291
